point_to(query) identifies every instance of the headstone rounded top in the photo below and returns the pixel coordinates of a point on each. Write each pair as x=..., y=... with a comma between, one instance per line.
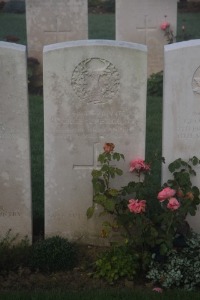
x=185, y=44
x=12, y=46
x=87, y=43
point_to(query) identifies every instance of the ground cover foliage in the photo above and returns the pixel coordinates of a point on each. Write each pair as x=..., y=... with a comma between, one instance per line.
x=152, y=223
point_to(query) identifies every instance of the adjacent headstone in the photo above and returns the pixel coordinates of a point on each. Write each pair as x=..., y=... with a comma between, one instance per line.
x=139, y=21
x=94, y=92
x=15, y=183
x=181, y=110
x=54, y=21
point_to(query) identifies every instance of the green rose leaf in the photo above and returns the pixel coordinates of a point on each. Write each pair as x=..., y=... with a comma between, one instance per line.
x=90, y=212
x=109, y=205
x=192, y=172
x=113, y=192
x=192, y=211
x=102, y=158
x=98, y=185
x=163, y=249
x=112, y=172
x=195, y=160
x=118, y=171
x=195, y=190
x=122, y=156
x=171, y=167
x=175, y=165
x=116, y=156
x=100, y=199
x=96, y=173
x=105, y=168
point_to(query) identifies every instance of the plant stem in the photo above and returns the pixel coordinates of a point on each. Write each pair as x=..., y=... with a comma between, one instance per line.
x=170, y=223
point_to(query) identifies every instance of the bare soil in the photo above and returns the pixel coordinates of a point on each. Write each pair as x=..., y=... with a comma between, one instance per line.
x=80, y=278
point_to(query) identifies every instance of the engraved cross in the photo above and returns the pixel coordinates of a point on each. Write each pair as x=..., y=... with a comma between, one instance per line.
x=94, y=164
x=62, y=25
x=146, y=29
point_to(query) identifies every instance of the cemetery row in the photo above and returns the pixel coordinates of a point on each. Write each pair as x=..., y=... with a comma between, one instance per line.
x=136, y=21
x=94, y=92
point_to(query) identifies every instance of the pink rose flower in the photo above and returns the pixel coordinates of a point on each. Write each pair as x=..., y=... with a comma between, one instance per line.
x=173, y=204
x=136, y=206
x=166, y=193
x=139, y=165
x=157, y=289
x=164, y=25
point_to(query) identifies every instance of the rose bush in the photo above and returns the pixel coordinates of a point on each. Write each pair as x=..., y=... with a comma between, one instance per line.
x=168, y=32
x=148, y=223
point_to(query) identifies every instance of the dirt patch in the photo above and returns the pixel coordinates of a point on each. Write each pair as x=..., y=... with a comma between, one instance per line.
x=80, y=278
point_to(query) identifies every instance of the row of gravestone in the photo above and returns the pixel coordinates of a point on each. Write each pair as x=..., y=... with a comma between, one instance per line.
x=94, y=92
x=137, y=21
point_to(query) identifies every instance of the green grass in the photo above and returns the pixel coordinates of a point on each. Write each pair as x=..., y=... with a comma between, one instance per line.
x=101, y=26
x=37, y=160
x=191, y=21
x=114, y=294
x=13, y=24
x=154, y=136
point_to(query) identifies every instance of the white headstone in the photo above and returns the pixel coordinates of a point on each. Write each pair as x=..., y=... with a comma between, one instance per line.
x=15, y=183
x=94, y=92
x=53, y=21
x=181, y=110
x=139, y=21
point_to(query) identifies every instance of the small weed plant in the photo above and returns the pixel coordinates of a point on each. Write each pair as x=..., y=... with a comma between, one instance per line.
x=144, y=229
x=117, y=263
x=49, y=255
x=53, y=254
x=14, y=254
x=155, y=84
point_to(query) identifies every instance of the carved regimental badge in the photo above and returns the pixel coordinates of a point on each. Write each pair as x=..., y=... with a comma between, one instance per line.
x=196, y=81
x=95, y=80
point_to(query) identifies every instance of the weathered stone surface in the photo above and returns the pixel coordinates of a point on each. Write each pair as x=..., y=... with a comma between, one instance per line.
x=15, y=185
x=139, y=21
x=53, y=21
x=94, y=92
x=181, y=110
